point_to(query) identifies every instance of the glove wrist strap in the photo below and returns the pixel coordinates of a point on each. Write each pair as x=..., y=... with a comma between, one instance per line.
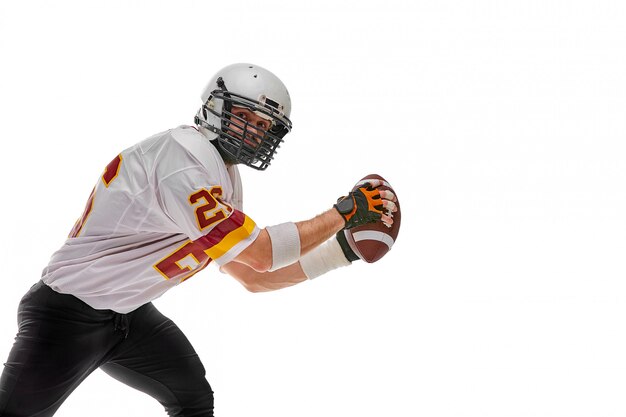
x=345, y=246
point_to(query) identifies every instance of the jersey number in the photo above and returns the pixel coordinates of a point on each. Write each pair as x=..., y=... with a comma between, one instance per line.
x=181, y=263
x=189, y=258
x=184, y=262
x=208, y=213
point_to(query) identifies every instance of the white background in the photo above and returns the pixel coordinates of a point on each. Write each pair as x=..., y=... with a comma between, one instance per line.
x=501, y=125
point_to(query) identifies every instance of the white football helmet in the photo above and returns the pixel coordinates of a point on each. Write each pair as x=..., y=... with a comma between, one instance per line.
x=253, y=88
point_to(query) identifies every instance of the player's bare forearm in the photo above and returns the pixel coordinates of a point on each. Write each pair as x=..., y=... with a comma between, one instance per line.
x=319, y=229
x=255, y=281
x=312, y=233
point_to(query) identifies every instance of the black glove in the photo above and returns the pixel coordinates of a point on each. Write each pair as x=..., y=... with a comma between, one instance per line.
x=345, y=247
x=361, y=206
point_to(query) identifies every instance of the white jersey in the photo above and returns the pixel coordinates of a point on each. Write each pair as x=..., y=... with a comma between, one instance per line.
x=162, y=211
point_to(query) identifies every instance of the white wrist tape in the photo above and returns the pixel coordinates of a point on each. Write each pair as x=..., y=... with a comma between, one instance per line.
x=324, y=258
x=285, y=240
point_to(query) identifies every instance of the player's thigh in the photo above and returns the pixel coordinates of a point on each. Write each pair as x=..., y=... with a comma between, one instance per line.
x=158, y=359
x=59, y=343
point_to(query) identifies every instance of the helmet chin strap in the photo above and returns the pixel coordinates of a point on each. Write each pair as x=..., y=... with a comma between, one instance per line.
x=212, y=131
x=201, y=122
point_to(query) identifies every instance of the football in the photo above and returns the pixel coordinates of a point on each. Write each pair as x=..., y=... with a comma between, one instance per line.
x=372, y=241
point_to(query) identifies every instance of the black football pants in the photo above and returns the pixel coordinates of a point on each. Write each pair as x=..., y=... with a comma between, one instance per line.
x=61, y=340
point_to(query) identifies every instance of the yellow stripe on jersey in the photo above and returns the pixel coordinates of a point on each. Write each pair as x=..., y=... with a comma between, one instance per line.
x=193, y=256
x=231, y=239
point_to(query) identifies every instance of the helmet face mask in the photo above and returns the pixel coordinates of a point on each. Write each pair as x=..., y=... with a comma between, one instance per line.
x=258, y=91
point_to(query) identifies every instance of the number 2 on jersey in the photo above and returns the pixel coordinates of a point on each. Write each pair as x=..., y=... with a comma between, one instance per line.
x=208, y=213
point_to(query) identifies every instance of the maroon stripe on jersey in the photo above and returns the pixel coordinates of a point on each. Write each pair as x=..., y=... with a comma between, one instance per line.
x=201, y=248
x=219, y=232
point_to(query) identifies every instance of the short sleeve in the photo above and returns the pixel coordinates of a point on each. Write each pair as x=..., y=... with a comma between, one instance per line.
x=200, y=212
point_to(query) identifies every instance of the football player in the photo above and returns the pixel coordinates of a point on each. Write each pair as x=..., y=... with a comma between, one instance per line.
x=161, y=212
